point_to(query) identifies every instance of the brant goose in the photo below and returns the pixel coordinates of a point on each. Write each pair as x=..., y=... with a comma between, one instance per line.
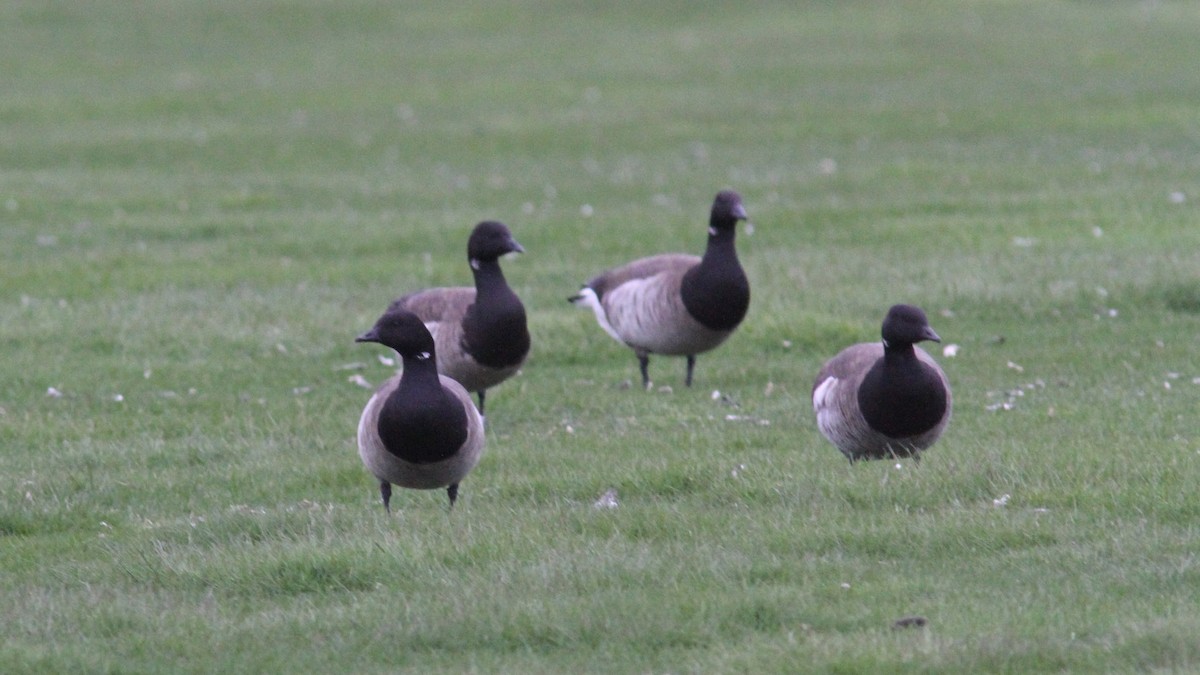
x=481, y=335
x=884, y=400
x=674, y=303
x=420, y=430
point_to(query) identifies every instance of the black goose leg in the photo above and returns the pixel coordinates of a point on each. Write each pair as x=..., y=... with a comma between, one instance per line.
x=481, y=402
x=452, y=492
x=385, y=491
x=691, y=365
x=644, y=363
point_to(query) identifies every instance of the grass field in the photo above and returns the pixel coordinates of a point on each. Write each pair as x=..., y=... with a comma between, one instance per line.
x=202, y=203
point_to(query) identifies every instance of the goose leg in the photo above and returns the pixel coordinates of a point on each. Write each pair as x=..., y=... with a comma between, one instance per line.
x=481, y=403
x=385, y=491
x=644, y=363
x=452, y=492
x=691, y=365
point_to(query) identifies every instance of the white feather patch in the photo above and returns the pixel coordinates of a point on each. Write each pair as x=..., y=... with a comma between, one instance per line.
x=822, y=393
x=826, y=408
x=587, y=298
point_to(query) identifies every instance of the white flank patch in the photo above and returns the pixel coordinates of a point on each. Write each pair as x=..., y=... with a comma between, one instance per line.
x=587, y=298
x=822, y=392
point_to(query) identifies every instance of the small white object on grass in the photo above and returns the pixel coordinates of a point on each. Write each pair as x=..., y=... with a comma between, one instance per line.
x=608, y=500
x=950, y=350
x=358, y=379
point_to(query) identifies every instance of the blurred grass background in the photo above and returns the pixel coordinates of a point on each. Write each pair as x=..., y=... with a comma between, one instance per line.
x=201, y=204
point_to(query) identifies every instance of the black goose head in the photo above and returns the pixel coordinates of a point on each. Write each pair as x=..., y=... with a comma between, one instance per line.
x=489, y=240
x=727, y=210
x=401, y=330
x=906, y=325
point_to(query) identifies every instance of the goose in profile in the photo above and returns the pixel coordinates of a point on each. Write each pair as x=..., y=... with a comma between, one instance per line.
x=420, y=430
x=886, y=399
x=676, y=304
x=481, y=334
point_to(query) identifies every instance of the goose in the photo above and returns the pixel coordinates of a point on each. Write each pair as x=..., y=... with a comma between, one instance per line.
x=675, y=304
x=888, y=399
x=481, y=334
x=420, y=429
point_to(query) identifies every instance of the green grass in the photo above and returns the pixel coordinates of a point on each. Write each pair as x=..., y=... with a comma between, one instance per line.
x=201, y=204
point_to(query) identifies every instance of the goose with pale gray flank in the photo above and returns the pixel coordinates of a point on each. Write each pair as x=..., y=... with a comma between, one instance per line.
x=420, y=430
x=676, y=304
x=886, y=399
x=481, y=333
